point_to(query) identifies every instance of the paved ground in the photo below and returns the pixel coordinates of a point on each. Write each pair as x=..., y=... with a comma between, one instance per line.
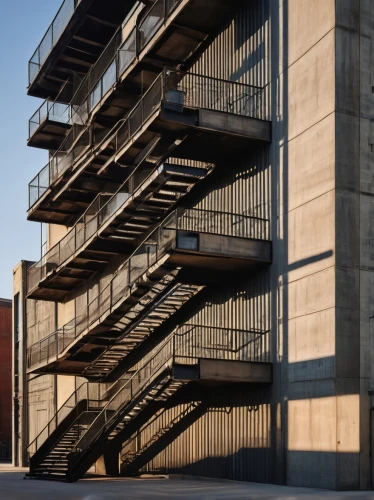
x=14, y=487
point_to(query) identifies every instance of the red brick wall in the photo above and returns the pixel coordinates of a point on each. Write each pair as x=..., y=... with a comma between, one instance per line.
x=5, y=374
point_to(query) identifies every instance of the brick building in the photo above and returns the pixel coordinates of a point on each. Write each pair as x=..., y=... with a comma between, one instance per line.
x=5, y=378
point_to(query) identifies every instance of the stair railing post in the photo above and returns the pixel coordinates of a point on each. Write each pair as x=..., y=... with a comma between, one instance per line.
x=142, y=104
x=174, y=336
x=69, y=473
x=111, y=295
x=129, y=273
x=163, y=85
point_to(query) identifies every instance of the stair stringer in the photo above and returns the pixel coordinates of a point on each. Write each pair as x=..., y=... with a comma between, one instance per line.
x=80, y=463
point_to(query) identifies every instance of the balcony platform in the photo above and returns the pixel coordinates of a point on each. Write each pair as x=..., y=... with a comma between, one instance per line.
x=72, y=44
x=188, y=257
x=178, y=121
x=49, y=134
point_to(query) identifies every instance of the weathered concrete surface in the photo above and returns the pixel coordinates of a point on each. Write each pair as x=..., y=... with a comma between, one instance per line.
x=13, y=487
x=325, y=223
x=235, y=371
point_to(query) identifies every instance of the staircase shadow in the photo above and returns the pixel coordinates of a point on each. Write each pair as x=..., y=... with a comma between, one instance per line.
x=178, y=414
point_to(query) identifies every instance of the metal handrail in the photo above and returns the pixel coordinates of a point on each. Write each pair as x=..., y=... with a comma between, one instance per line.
x=184, y=88
x=153, y=249
x=95, y=218
x=95, y=86
x=51, y=37
x=78, y=395
x=54, y=111
x=180, y=346
x=187, y=343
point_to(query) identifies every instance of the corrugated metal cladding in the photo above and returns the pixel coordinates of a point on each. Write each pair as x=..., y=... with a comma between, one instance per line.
x=242, y=306
x=240, y=51
x=230, y=440
x=225, y=442
x=239, y=187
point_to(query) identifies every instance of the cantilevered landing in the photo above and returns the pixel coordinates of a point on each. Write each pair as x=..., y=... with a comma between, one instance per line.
x=110, y=226
x=180, y=115
x=169, y=255
x=49, y=125
x=77, y=36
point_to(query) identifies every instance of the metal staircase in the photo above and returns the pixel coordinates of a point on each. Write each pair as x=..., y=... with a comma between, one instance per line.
x=122, y=410
x=152, y=200
x=116, y=219
x=161, y=390
x=49, y=450
x=188, y=247
x=56, y=461
x=139, y=324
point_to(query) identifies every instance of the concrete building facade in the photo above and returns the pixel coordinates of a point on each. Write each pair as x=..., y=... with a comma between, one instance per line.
x=208, y=198
x=5, y=379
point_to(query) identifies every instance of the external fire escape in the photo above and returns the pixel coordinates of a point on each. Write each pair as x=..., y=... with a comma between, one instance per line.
x=87, y=425
x=128, y=141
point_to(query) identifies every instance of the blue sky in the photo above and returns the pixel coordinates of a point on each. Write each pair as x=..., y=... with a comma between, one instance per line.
x=22, y=26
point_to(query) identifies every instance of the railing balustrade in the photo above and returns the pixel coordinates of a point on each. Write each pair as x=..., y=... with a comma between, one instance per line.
x=109, y=68
x=52, y=111
x=188, y=89
x=158, y=244
x=74, y=145
x=51, y=37
x=88, y=392
x=96, y=216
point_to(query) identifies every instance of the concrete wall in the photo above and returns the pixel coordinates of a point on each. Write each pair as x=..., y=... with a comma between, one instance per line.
x=303, y=69
x=361, y=132
x=324, y=62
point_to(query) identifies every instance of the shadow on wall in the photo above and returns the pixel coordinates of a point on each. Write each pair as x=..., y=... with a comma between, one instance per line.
x=238, y=415
x=311, y=447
